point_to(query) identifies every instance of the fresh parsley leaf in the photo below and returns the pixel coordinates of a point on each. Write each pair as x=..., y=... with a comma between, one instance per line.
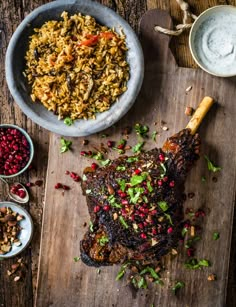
x=138, y=147
x=211, y=166
x=123, y=222
x=194, y=264
x=121, y=168
x=132, y=159
x=105, y=162
x=216, y=236
x=142, y=284
x=178, y=285
x=76, y=259
x=135, y=194
x=154, y=134
x=169, y=218
x=184, y=231
x=150, y=188
x=65, y=145
x=68, y=121
x=91, y=226
x=141, y=129
x=112, y=202
x=122, y=184
x=150, y=270
x=98, y=156
x=122, y=270
x=163, y=205
x=103, y=240
x=136, y=179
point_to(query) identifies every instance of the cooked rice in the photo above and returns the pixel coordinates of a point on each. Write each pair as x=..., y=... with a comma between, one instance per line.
x=76, y=67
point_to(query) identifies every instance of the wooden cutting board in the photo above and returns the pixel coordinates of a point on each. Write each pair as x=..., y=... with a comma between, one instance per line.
x=163, y=97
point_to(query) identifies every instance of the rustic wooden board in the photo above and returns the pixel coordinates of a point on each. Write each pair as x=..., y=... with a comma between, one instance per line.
x=61, y=282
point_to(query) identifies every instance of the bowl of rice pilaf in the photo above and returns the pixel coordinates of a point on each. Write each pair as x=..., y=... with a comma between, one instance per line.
x=75, y=68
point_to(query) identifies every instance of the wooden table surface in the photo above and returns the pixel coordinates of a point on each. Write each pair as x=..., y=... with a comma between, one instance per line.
x=14, y=294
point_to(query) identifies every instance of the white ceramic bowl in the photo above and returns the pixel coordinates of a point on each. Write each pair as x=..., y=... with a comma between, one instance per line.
x=212, y=41
x=15, y=65
x=26, y=232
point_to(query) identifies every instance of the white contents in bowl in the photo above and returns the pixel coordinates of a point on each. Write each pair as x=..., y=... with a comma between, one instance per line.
x=214, y=42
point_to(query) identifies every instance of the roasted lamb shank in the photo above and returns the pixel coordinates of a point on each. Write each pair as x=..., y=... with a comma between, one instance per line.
x=136, y=203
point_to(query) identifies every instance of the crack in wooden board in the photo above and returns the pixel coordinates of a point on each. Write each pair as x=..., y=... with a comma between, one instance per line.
x=61, y=282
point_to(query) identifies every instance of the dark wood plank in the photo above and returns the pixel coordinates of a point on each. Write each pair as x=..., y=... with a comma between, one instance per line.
x=162, y=97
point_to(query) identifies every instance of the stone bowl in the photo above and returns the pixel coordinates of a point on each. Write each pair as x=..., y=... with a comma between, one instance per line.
x=20, y=90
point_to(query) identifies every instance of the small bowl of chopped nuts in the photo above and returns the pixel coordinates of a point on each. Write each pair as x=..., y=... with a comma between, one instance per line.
x=16, y=229
x=16, y=150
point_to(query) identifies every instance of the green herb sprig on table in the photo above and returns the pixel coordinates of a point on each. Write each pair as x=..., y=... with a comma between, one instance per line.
x=211, y=166
x=65, y=145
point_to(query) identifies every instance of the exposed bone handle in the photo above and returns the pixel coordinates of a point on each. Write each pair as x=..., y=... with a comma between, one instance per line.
x=199, y=114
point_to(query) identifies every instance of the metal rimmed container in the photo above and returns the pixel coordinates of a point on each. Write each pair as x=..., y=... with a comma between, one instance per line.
x=15, y=65
x=212, y=40
x=31, y=147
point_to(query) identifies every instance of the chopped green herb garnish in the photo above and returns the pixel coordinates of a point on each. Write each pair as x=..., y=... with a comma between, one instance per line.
x=98, y=156
x=65, y=145
x=142, y=283
x=105, y=162
x=169, y=218
x=84, y=177
x=132, y=159
x=121, y=273
x=211, y=166
x=154, y=134
x=190, y=242
x=88, y=191
x=163, y=169
x=136, y=179
x=184, y=231
x=150, y=188
x=112, y=201
x=135, y=194
x=121, y=168
x=178, y=285
x=91, y=226
x=203, y=179
x=123, y=222
x=150, y=270
x=68, y=121
x=141, y=129
x=145, y=199
x=163, y=205
x=76, y=259
x=103, y=240
x=138, y=147
x=122, y=184
x=216, y=236
x=194, y=264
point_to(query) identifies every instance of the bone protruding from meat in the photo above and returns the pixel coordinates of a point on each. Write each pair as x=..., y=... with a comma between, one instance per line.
x=200, y=113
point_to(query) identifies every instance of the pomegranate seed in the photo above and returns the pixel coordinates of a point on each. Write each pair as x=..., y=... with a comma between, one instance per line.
x=89, y=153
x=124, y=202
x=161, y=157
x=29, y=184
x=77, y=178
x=96, y=209
x=83, y=153
x=160, y=182
x=65, y=187
x=145, y=223
x=106, y=208
x=73, y=175
x=172, y=184
x=22, y=193
x=58, y=185
x=143, y=235
x=110, y=144
x=154, y=231
x=67, y=172
x=38, y=183
x=121, y=146
x=142, y=215
x=94, y=166
x=165, y=179
x=123, y=195
x=153, y=212
x=170, y=230
x=190, y=252
x=140, y=225
x=137, y=171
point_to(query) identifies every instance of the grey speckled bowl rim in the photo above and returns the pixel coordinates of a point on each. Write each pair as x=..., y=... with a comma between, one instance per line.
x=6, y=203
x=31, y=149
x=197, y=23
x=103, y=120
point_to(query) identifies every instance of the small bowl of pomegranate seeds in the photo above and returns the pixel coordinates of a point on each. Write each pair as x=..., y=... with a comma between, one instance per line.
x=16, y=150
